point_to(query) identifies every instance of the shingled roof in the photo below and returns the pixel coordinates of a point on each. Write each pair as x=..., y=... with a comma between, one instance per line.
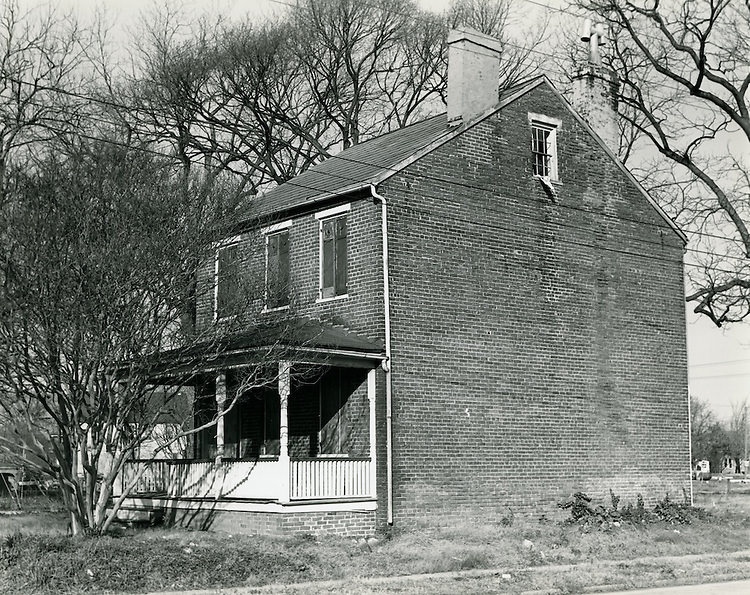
x=375, y=160
x=300, y=335
x=369, y=162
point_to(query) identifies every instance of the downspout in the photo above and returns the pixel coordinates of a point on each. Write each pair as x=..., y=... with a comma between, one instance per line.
x=387, y=361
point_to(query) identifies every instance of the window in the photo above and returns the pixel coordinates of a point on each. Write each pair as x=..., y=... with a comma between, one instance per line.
x=544, y=146
x=277, y=269
x=228, y=281
x=333, y=258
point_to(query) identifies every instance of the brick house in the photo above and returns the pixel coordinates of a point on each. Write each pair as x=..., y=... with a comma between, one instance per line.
x=479, y=312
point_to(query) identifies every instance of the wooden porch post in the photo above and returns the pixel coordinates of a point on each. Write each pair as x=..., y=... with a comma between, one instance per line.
x=285, y=385
x=221, y=397
x=373, y=432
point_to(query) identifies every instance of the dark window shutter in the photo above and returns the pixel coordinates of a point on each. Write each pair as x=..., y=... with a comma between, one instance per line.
x=277, y=274
x=341, y=271
x=283, y=269
x=327, y=289
x=229, y=281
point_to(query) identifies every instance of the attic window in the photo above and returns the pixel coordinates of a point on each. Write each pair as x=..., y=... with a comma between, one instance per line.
x=544, y=147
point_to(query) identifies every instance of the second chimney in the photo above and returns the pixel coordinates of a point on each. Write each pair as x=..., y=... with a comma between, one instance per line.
x=473, y=74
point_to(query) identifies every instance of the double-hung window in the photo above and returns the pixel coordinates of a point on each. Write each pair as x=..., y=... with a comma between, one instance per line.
x=544, y=147
x=228, y=281
x=277, y=269
x=333, y=252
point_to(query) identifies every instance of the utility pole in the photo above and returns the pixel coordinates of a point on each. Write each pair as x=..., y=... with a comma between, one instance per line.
x=744, y=418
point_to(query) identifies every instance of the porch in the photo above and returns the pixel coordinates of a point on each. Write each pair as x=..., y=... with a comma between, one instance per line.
x=265, y=479
x=305, y=436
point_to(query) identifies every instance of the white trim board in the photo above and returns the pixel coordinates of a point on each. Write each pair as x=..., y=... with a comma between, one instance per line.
x=133, y=502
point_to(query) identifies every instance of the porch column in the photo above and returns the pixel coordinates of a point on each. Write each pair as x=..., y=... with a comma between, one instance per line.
x=285, y=384
x=373, y=433
x=221, y=397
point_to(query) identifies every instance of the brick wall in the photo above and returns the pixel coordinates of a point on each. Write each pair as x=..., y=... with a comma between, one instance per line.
x=538, y=346
x=361, y=311
x=342, y=523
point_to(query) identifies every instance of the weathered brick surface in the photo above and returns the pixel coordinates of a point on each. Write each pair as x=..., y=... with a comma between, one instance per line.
x=538, y=346
x=361, y=311
x=344, y=524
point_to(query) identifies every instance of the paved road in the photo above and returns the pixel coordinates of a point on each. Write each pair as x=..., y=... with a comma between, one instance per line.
x=731, y=588
x=442, y=585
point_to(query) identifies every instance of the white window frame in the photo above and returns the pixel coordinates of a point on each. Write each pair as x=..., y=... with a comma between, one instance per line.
x=220, y=245
x=552, y=125
x=322, y=216
x=267, y=233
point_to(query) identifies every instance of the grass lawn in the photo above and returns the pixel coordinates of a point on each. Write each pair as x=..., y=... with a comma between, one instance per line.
x=41, y=559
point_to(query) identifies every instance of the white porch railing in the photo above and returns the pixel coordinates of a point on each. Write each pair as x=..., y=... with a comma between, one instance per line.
x=320, y=478
x=204, y=479
x=314, y=478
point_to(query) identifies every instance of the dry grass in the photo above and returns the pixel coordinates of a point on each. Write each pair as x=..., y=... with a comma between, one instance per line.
x=41, y=560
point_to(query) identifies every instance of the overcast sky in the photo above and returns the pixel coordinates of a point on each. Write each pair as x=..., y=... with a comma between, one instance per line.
x=719, y=359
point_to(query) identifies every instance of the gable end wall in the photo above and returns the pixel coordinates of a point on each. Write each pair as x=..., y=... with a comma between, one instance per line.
x=538, y=346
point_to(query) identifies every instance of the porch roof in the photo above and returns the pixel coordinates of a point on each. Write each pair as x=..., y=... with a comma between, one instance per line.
x=302, y=339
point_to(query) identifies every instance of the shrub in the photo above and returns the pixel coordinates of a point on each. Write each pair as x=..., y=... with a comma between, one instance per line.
x=583, y=512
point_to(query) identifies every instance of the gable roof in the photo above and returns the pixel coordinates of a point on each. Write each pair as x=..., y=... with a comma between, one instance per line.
x=374, y=161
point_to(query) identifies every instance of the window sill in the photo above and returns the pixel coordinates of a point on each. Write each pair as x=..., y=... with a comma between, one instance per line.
x=277, y=309
x=332, y=299
x=554, y=181
x=227, y=318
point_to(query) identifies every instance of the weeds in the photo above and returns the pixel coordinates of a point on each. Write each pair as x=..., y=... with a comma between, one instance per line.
x=589, y=515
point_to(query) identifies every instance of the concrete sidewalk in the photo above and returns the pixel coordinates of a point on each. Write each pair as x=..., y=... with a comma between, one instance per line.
x=488, y=580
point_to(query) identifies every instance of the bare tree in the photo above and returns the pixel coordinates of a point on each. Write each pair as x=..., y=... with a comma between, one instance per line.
x=43, y=58
x=684, y=76
x=101, y=243
x=738, y=431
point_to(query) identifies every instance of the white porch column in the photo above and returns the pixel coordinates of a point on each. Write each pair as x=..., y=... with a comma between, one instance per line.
x=373, y=433
x=285, y=387
x=221, y=397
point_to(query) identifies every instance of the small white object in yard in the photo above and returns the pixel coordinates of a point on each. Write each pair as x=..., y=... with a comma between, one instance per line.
x=528, y=545
x=373, y=541
x=188, y=550
x=677, y=531
x=90, y=573
x=505, y=575
x=191, y=544
x=616, y=523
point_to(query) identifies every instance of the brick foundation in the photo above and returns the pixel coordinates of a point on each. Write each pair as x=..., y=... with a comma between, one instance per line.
x=340, y=523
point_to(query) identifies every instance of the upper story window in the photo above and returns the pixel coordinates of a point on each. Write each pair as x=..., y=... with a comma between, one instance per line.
x=333, y=252
x=277, y=269
x=544, y=146
x=228, y=281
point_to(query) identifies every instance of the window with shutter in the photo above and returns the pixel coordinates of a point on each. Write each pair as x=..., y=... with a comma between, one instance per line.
x=333, y=254
x=228, y=291
x=277, y=269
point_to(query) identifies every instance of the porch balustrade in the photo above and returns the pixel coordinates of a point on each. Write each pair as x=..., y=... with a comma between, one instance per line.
x=308, y=479
x=330, y=478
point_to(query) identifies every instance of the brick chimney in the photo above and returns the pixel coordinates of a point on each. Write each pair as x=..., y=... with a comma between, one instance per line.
x=595, y=99
x=595, y=88
x=473, y=74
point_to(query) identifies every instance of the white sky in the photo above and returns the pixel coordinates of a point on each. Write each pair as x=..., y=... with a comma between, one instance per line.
x=719, y=358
